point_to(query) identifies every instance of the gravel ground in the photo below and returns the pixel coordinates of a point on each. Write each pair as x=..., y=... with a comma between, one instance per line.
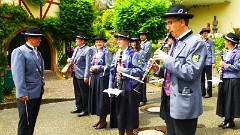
x=55, y=119
x=58, y=88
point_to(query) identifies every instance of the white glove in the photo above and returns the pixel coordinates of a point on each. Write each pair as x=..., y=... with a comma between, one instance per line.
x=160, y=55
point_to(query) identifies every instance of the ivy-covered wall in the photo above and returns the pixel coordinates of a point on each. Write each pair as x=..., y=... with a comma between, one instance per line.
x=74, y=16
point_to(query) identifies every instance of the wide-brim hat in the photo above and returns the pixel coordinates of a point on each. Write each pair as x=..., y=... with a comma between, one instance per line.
x=33, y=32
x=143, y=32
x=135, y=38
x=99, y=37
x=232, y=37
x=204, y=30
x=82, y=36
x=123, y=34
x=178, y=10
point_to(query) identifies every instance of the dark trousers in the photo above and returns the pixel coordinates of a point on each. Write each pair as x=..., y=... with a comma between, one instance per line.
x=144, y=92
x=81, y=91
x=179, y=126
x=27, y=118
x=208, y=71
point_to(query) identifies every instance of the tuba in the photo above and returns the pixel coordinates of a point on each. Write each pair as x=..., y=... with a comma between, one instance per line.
x=63, y=74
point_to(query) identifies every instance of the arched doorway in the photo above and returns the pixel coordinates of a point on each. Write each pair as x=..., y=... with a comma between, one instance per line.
x=44, y=48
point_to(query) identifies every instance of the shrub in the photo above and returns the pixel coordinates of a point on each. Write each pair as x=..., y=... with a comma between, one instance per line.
x=144, y=14
x=107, y=19
x=3, y=61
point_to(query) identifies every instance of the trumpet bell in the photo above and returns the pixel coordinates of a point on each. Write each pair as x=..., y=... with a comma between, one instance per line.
x=62, y=75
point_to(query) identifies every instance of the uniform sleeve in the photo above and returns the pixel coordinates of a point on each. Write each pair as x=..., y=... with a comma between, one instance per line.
x=88, y=62
x=213, y=52
x=108, y=60
x=137, y=69
x=147, y=51
x=235, y=67
x=18, y=72
x=112, y=71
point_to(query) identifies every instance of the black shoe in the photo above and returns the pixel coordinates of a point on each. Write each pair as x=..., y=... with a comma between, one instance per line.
x=95, y=125
x=142, y=104
x=76, y=111
x=228, y=125
x=207, y=96
x=222, y=124
x=100, y=127
x=82, y=114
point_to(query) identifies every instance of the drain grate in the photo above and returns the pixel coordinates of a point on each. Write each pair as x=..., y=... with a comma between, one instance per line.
x=150, y=109
x=155, y=130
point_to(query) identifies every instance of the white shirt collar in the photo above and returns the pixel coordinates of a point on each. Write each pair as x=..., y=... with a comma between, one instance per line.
x=185, y=33
x=34, y=48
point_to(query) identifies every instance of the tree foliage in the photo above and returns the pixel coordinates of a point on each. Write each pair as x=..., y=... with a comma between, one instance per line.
x=36, y=2
x=12, y=18
x=135, y=15
x=107, y=19
x=76, y=16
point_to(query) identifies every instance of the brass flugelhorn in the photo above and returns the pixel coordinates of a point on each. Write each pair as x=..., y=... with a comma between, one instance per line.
x=63, y=74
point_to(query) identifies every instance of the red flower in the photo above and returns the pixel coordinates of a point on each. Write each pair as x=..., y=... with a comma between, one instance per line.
x=8, y=67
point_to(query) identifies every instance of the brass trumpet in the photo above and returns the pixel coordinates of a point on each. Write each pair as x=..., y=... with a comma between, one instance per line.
x=63, y=74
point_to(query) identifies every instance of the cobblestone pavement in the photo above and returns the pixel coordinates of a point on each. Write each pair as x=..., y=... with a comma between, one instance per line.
x=55, y=119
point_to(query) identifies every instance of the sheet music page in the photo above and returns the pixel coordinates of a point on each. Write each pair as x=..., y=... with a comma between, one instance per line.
x=113, y=91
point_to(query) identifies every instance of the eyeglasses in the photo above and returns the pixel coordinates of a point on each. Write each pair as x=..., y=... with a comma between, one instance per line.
x=171, y=22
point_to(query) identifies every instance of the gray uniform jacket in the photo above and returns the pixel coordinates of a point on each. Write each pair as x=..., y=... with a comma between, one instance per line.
x=104, y=62
x=26, y=71
x=147, y=48
x=186, y=69
x=81, y=61
x=211, y=59
x=232, y=64
x=132, y=66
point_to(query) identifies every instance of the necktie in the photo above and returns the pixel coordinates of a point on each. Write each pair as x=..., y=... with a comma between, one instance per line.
x=40, y=60
x=167, y=82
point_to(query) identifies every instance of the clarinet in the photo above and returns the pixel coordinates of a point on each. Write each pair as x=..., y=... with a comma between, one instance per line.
x=151, y=64
x=118, y=74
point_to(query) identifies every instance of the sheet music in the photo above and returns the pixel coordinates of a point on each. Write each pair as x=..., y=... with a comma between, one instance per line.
x=113, y=91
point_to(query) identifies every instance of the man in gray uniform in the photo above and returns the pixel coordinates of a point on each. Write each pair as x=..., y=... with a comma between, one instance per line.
x=209, y=64
x=28, y=71
x=181, y=102
x=147, y=48
x=81, y=65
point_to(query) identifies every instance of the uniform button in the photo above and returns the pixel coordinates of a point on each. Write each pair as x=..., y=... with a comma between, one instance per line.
x=36, y=69
x=36, y=76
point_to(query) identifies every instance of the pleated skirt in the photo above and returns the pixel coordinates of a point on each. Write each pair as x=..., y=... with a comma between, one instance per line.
x=124, y=113
x=99, y=101
x=228, y=102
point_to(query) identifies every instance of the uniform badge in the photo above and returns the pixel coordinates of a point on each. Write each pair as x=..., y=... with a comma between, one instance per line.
x=195, y=58
x=139, y=62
